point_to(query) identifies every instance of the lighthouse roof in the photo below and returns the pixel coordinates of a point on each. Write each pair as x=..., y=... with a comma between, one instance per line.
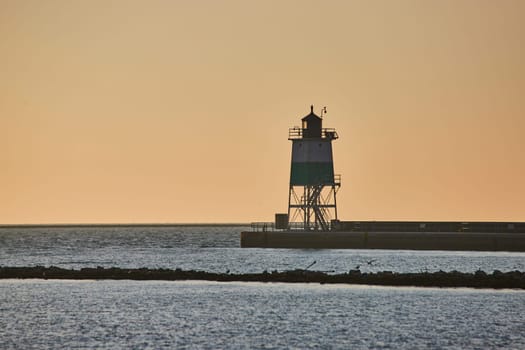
x=312, y=115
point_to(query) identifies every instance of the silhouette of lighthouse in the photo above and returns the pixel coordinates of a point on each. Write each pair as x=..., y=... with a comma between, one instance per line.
x=312, y=201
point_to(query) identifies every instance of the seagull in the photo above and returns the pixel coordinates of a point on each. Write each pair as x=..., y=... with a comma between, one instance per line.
x=371, y=261
x=312, y=264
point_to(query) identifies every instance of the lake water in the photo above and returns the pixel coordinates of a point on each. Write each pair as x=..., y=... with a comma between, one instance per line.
x=51, y=314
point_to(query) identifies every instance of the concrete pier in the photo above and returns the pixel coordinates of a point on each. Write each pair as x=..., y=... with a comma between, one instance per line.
x=467, y=241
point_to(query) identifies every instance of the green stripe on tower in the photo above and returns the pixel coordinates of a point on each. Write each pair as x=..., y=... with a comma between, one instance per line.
x=312, y=173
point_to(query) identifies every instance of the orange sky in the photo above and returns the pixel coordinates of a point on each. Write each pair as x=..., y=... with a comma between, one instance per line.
x=178, y=111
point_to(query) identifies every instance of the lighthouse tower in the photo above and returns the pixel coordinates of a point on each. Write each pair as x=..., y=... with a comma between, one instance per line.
x=313, y=186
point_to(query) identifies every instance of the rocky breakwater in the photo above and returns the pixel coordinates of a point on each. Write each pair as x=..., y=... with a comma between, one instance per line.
x=479, y=279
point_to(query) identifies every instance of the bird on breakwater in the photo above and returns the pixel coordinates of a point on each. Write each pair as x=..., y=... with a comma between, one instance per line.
x=312, y=264
x=368, y=262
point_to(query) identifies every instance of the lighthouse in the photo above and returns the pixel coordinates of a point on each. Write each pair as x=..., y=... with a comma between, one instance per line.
x=312, y=201
x=312, y=222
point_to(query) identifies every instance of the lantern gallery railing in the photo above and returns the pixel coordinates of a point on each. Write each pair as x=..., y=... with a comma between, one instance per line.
x=296, y=133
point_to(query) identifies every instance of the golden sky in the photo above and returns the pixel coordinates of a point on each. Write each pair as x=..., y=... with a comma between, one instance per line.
x=178, y=111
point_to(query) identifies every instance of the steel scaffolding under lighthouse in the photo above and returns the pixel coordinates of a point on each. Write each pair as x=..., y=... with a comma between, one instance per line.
x=312, y=201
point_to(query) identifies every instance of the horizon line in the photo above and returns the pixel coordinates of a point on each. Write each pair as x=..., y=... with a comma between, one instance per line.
x=144, y=224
